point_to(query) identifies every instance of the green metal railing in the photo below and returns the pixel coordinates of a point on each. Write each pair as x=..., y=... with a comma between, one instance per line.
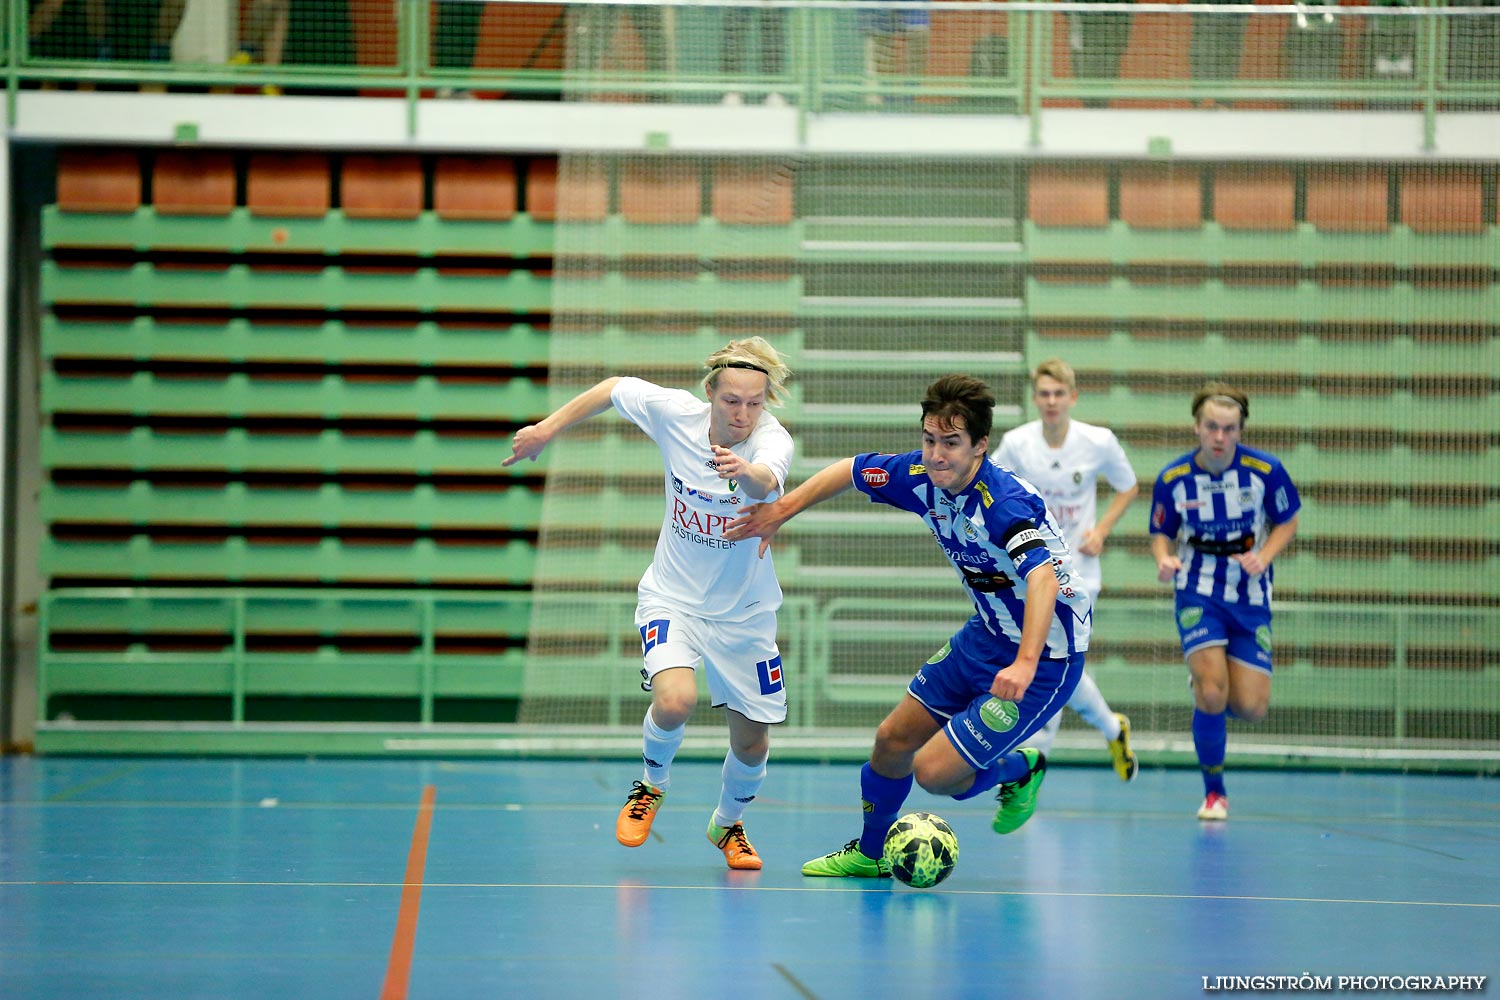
x=1444, y=57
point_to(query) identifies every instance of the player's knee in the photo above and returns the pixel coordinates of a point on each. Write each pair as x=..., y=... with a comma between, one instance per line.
x=1211, y=697
x=934, y=780
x=1249, y=711
x=671, y=708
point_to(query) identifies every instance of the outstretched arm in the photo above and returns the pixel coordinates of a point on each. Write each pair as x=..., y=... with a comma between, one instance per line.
x=763, y=520
x=531, y=439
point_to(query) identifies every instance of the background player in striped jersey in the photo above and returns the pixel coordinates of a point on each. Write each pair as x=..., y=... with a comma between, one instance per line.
x=1064, y=459
x=703, y=601
x=1219, y=516
x=1002, y=675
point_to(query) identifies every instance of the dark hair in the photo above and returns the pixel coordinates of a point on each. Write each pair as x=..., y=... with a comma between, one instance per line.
x=961, y=396
x=1222, y=392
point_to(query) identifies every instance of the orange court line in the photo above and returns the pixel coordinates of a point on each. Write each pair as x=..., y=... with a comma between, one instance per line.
x=398, y=968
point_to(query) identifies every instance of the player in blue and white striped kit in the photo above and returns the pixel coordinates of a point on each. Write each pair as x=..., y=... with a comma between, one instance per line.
x=1219, y=515
x=1009, y=669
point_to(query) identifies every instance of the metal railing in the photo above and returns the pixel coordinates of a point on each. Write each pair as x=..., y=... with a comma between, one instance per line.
x=825, y=55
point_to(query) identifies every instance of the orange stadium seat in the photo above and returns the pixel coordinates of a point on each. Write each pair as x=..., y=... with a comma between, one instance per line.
x=288, y=184
x=474, y=187
x=1348, y=198
x=1068, y=195
x=1255, y=197
x=1161, y=196
x=90, y=180
x=1442, y=200
x=1157, y=50
x=752, y=194
x=381, y=187
x=583, y=196
x=661, y=191
x=195, y=183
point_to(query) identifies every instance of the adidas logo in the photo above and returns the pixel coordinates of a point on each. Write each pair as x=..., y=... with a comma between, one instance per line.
x=748, y=798
x=649, y=761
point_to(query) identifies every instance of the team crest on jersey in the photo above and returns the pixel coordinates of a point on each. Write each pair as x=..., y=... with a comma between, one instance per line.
x=875, y=477
x=1001, y=716
x=654, y=633
x=769, y=672
x=1188, y=617
x=970, y=532
x=1077, y=477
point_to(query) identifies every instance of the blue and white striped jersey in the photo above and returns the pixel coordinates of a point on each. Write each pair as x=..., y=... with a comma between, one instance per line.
x=1249, y=498
x=994, y=532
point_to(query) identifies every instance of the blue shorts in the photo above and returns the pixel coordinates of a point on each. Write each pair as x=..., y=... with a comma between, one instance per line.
x=1245, y=629
x=955, y=687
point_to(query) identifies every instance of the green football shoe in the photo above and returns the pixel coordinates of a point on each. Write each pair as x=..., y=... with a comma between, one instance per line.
x=1018, y=798
x=848, y=863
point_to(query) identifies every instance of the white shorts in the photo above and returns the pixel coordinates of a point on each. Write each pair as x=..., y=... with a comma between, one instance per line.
x=743, y=663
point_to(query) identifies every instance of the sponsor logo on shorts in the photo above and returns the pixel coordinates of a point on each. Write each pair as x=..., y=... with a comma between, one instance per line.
x=1001, y=716
x=1195, y=635
x=769, y=672
x=875, y=477
x=939, y=656
x=1188, y=617
x=978, y=736
x=1263, y=638
x=654, y=633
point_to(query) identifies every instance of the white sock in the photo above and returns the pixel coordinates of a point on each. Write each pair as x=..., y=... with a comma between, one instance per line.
x=658, y=747
x=1042, y=738
x=1089, y=703
x=741, y=782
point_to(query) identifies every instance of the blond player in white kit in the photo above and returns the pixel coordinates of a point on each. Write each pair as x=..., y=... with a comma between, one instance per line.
x=704, y=601
x=1064, y=459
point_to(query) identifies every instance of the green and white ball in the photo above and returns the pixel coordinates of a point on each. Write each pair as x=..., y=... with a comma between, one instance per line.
x=921, y=849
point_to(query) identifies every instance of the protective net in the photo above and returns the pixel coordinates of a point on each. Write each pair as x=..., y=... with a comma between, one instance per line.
x=1353, y=299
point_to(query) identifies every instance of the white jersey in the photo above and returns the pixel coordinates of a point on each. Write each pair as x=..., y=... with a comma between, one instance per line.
x=1067, y=478
x=695, y=568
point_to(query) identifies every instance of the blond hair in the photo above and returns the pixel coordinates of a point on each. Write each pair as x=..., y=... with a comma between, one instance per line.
x=753, y=354
x=1059, y=369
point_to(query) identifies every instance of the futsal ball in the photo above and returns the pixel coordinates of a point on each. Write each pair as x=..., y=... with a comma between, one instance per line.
x=921, y=849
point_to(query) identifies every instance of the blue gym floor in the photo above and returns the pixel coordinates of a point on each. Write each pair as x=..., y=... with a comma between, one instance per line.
x=267, y=878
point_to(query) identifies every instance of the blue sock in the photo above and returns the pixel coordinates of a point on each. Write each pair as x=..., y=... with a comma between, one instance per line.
x=1210, y=734
x=883, y=798
x=1010, y=767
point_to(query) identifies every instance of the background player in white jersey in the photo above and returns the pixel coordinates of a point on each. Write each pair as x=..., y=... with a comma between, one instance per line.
x=1064, y=459
x=1219, y=515
x=1002, y=675
x=703, y=600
